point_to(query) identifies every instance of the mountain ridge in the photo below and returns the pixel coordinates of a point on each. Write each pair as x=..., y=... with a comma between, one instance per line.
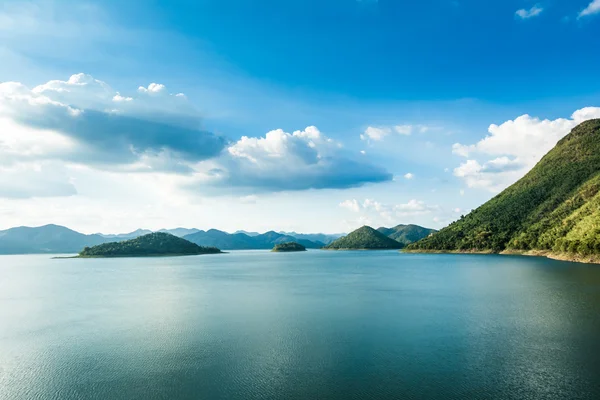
x=553, y=210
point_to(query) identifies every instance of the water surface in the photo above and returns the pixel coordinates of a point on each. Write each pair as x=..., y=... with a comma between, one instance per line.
x=314, y=325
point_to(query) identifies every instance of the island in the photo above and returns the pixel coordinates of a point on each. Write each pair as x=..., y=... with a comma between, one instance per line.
x=365, y=238
x=288, y=247
x=156, y=244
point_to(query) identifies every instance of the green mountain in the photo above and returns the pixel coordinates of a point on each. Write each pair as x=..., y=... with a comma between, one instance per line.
x=288, y=247
x=365, y=238
x=45, y=239
x=407, y=234
x=153, y=244
x=554, y=208
x=241, y=241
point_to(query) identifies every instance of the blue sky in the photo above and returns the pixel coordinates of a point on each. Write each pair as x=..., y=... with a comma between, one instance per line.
x=294, y=115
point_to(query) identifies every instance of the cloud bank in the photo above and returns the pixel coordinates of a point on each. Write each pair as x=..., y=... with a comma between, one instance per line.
x=84, y=121
x=513, y=148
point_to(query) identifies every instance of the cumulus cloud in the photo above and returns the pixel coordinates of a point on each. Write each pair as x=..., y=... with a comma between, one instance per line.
x=282, y=161
x=513, y=148
x=409, y=176
x=532, y=12
x=591, y=9
x=84, y=121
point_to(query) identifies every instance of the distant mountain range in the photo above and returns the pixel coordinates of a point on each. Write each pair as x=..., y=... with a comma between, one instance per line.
x=55, y=239
x=242, y=241
x=46, y=239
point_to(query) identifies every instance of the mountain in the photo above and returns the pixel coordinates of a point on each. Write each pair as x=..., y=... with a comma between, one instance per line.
x=153, y=244
x=251, y=234
x=365, y=238
x=407, y=234
x=288, y=247
x=180, y=232
x=241, y=241
x=555, y=208
x=315, y=237
x=130, y=235
x=45, y=239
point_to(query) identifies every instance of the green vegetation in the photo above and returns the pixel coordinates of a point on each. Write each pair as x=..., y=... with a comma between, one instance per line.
x=407, y=234
x=154, y=244
x=288, y=247
x=554, y=208
x=365, y=238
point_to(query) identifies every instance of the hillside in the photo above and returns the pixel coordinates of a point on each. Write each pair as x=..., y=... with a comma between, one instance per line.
x=407, y=234
x=365, y=238
x=554, y=208
x=241, y=241
x=288, y=247
x=45, y=239
x=153, y=244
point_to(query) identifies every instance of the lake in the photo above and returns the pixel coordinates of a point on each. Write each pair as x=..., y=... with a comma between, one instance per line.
x=313, y=325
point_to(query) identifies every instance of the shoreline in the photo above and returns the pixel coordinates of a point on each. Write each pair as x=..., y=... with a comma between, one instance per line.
x=530, y=253
x=138, y=256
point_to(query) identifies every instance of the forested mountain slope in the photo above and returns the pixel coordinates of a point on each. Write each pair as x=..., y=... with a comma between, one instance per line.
x=554, y=208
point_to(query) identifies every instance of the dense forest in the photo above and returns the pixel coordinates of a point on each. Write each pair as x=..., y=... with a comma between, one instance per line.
x=555, y=207
x=289, y=247
x=153, y=244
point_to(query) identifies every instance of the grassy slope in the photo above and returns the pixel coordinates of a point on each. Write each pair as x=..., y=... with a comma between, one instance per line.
x=555, y=207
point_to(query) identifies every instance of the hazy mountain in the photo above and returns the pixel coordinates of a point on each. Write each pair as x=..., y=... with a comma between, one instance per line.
x=241, y=241
x=180, y=232
x=125, y=236
x=315, y=237
x=45, y=239
x=554, y=208
x=251, y=234
x=406, y=234
x=365, y=238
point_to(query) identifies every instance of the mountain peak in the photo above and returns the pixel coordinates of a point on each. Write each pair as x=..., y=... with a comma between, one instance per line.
x=364, y=238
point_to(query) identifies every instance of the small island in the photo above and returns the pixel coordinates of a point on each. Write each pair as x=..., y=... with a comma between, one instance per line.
x=288, y=247
x=152, y=245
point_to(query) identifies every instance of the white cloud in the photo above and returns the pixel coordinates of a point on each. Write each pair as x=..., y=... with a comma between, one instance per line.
x=380, y=132
x=532, y=12
x=374, y=133
x=154, y=88
x=516, y=146
x=409, y=176
x=592, y=8
x=282, y=161
x=403, y=129
x=118, y=98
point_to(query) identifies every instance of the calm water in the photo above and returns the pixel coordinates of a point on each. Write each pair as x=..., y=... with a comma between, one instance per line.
x=315, y=325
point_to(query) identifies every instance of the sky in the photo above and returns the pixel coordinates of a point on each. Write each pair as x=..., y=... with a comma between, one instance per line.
x=296, y=115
